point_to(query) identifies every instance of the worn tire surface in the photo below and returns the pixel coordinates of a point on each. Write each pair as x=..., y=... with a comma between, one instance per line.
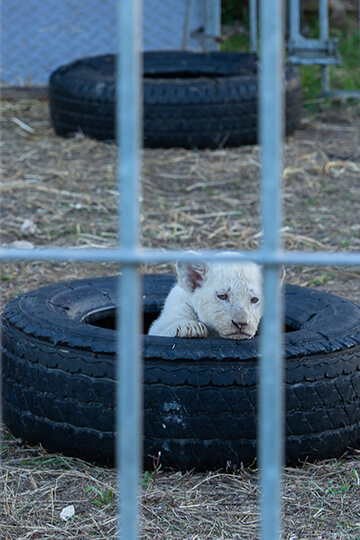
x=200, y=396
x=202, y=100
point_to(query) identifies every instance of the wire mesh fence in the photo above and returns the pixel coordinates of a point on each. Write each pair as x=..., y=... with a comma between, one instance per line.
x=39, y=36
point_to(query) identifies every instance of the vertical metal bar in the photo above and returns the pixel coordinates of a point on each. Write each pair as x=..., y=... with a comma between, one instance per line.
x=294, y=6
x=324, y=19
x=253, y=25
x=212, y=22
x=271, y=391
x=271, y=118
x=271, y=407
x=186, y=29
x=129, y=114
x=324, y=37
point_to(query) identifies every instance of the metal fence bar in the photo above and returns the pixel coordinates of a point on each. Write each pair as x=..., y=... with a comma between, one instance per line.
x=324, y=19
x=129, y=409
x=294, y=7
x=271, y=363
x=150, y=256
x=324, y=35
x=253, y=25
x=211, y=10
x=186, y=30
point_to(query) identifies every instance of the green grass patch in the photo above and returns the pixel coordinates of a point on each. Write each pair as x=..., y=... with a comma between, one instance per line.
x=103, y=498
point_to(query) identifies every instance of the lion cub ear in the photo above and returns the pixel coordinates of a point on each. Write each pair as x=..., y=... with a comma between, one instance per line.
x=191, y=275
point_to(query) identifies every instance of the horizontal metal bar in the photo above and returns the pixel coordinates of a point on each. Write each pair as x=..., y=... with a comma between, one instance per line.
x=342, y=94
x=307, y=43
x=139, y=256
x=311, y=58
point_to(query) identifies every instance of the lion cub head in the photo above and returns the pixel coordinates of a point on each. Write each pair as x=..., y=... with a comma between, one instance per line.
x=227, y=297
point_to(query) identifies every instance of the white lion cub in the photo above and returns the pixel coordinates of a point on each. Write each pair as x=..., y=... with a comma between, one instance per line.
x=212, y=300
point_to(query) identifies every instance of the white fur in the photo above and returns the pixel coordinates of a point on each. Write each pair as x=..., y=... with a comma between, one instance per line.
x=193, y=307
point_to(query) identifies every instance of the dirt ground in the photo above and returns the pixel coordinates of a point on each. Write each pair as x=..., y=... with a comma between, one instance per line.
x=63, y=192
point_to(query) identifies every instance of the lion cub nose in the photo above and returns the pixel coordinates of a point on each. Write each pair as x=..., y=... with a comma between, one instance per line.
x=240, y=325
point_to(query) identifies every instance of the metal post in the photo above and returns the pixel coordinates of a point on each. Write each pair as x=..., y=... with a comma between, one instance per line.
x=186, y=25
x=271, y=387
x=324, y=19
x=211, y=11
x=324, y=36
x=294, y=7
x=253, y=25
x=129, y=430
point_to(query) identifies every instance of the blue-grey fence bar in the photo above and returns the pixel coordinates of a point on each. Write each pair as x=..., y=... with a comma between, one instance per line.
x=253, y=21
x=129, y=387
x=152, y=256
x=324, y=35
x=130, y=255
x=271, y=131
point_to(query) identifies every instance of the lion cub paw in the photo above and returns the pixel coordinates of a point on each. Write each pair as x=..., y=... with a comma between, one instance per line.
x=192, y=330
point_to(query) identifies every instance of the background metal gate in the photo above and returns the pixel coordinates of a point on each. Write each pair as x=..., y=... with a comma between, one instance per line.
x=130, y=254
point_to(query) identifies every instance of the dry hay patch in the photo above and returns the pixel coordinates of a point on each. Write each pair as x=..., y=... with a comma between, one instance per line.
x=319, y=500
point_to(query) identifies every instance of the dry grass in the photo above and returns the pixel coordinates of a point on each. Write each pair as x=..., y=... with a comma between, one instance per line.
x=63, y=192
x=319, y=501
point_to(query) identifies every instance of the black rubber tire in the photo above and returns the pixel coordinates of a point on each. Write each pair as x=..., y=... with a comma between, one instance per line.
x=200, y=396
x=202, y=100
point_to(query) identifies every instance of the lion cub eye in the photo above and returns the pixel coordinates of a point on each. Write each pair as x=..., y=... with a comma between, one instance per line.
x=222, y=296
x=254, y=300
